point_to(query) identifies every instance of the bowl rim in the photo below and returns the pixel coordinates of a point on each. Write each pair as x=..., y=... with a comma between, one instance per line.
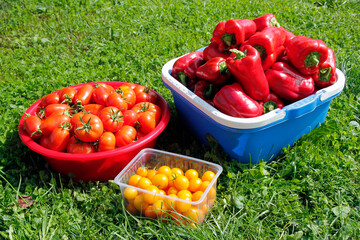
x=83, y=157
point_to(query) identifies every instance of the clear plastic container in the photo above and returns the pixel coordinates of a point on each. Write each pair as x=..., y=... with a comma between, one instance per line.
x=195, y=211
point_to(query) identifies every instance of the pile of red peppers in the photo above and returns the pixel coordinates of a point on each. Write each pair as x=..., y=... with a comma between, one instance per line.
x=255, y=66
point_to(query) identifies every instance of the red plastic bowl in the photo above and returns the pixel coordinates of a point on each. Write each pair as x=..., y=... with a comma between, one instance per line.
x=99, y=166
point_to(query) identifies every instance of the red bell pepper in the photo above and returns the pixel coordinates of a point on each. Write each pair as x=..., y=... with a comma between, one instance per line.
x=288, y=83
x=264, y=21
x=326, y=75
x=267, y=42
x=184, y=68
x=246, y=67
x=232, y=100
x=213, y=50
x=306, y=54
x=214, y=71
x=273, y=57
x=271, y=102
x=205, y=91
x=288, y=35
x=233, y=32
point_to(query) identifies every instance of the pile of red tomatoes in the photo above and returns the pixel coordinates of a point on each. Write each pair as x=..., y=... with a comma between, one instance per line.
x=90, y=118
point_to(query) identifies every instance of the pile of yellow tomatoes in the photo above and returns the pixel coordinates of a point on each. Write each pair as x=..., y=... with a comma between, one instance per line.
x=171, y=193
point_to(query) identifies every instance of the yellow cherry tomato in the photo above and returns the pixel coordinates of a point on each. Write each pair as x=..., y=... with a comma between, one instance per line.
x=130, y=193
x=177, y=171
x=144, y=182
x=181, y=182
x=182, y=206
x=208, y=176
x=170, y=203
x=151, y=173
x=194, y=214
x=191, y=173
x=139, y=203
x=172, y=190
x=151, y=197
x=195, y=184
x=134, y=179
x=165, y=170
x=204, y=185
x=160, y=180
x=142, y=171
x=184, y=193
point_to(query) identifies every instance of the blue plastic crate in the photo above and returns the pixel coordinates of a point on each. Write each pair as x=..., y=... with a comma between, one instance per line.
x=250, y=140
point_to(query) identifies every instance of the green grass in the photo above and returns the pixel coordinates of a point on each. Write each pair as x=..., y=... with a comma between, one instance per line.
x=310, y=192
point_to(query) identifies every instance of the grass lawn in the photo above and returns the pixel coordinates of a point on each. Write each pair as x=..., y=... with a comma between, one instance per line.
x=309, y=192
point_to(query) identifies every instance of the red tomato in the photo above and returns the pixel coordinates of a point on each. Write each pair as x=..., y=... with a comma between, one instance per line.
x=128, y=94
x=51, y=108
x=32, y=126
x=101, y=93
x=76, y=118
x=52, y=122
x=51, y=98
x=130, y=117
x=59, y=137
x=107, y=142
x=107, y=86
x=130, y=85
x=44, y=141
x=125, y=136
x=84, y=94
x=111, y=118
x=144, y=94
x=140, y=135
x=147, y=106
x=146, y=122
x=89, y=128
x=115, y=100
x=93, y=108
x=76, y=146
x=67, y=95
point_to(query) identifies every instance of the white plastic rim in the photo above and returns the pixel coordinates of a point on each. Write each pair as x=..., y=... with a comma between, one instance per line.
x=233, y=122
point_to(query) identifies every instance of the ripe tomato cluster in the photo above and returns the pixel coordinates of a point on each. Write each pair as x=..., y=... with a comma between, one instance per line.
x=94, y=118
x=170, y=189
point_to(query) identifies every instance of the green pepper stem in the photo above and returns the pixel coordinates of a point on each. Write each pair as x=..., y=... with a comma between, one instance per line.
x=239, y=54
x=228, y=39
x=209, y=92
x=312, y=59
x=262, y=51
x=274, y=22
x=183, y=78
x=325, y=74
x=269, y=106
x=223, y=68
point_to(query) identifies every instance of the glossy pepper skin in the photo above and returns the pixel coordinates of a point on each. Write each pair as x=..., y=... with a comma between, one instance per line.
x=326, y=74
x=246, y=67
x=267, y=41
x=232, y=100
x=205, y=91
x=288, y=83
x=273, y=57
x=306, y=54
x=288, y=35
x=213, y=50
x=184, y=68
x=214, y=71
x=264, y=21
x=271, y=102
x=233, y=32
